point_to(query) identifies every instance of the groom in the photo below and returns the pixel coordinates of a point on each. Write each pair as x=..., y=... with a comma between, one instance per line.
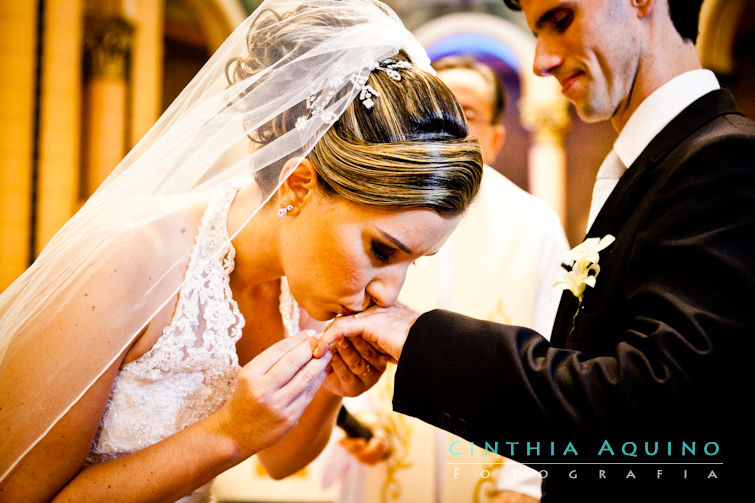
x=642, y=393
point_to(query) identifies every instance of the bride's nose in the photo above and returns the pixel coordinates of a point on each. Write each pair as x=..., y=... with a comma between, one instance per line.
x=386, y=285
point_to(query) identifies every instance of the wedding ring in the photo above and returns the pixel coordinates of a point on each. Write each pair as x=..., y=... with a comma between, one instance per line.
x=356, y=315
x=366, y=371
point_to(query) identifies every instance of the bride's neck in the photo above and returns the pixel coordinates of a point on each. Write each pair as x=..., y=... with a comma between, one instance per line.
x=256, y=244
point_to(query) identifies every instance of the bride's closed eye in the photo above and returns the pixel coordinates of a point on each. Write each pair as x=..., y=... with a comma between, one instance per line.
x=381, y=252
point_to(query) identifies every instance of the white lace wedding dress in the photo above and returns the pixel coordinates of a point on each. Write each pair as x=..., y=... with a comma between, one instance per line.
x=192, y=368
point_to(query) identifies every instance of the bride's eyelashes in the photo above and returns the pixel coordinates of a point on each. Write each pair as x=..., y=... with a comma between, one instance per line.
x=381, y=252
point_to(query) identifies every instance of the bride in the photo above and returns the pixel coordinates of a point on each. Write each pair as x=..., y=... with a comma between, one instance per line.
x=308, y=164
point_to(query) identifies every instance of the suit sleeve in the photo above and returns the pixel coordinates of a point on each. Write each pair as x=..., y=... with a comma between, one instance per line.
x=683, y=325
x=464, y=375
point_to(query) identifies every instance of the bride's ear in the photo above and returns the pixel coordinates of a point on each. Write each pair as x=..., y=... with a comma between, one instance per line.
x=299, y=186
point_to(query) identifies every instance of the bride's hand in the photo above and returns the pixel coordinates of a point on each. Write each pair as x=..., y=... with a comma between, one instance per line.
x=356, y=366
x=272, y=392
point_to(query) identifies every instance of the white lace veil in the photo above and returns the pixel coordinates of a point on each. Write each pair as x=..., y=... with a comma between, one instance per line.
x=298, y=66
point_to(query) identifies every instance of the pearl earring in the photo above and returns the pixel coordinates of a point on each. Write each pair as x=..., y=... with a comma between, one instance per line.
x=282, y=212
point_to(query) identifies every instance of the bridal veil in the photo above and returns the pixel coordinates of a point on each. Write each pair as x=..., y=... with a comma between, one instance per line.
x=260, y=103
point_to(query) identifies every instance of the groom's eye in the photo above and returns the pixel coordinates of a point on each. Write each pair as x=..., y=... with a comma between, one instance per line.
x=562, y=19
x=381, y=252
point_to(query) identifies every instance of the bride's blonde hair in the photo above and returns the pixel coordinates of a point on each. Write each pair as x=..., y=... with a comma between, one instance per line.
x=408, y=150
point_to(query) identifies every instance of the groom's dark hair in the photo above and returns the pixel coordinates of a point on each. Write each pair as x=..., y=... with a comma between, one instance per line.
x=685, y=14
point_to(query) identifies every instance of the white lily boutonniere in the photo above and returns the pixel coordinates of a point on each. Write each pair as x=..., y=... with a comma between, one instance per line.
x=582, y=267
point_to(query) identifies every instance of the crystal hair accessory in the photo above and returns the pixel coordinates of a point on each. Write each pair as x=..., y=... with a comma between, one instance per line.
x=316, y=103
x=282, y=212
x=366, y=92
x=389, y=66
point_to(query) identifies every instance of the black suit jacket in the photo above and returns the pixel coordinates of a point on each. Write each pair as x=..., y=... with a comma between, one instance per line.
x=658, y=354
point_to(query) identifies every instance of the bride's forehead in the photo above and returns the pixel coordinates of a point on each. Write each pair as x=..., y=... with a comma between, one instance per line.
x=420, y=223
x=421, y=230
x=389, y=214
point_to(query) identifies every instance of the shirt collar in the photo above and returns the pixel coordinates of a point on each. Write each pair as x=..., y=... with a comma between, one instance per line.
x=658, y=109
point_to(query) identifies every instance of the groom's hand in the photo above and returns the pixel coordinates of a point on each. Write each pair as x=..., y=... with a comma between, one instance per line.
x=384, y=328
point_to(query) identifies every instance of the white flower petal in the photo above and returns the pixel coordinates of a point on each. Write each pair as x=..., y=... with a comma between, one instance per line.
x=584, y=260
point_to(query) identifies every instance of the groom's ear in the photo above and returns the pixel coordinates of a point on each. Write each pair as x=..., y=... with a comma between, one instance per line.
x=643, y=7
x=299, y=186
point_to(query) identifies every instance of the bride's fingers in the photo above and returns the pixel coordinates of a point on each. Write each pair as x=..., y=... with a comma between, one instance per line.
x=302, y=399
x=304, y=384
x=291, y=364
x=263, y=362
x=337, y=330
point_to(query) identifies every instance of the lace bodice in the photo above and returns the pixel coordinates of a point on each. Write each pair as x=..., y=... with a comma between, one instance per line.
x=191, y=370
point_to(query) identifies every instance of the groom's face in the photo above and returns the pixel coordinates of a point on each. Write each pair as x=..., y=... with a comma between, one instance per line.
x=591, y=46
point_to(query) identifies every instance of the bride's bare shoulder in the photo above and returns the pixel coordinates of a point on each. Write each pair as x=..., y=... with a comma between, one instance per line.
x=153, y=256
x=160, y=235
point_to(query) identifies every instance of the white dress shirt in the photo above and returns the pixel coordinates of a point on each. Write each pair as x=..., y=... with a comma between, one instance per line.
x=653, y=114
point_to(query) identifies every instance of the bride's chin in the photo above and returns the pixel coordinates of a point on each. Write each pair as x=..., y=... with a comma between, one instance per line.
x=320, y=314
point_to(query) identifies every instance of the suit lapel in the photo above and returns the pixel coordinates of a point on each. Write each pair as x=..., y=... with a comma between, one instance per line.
x=633, y=185
x=628, y=194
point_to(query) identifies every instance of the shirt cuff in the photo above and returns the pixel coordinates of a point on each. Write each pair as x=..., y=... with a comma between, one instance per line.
x=519, y=478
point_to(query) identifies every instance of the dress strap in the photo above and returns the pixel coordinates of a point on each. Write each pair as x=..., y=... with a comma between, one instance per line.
x=212, y=238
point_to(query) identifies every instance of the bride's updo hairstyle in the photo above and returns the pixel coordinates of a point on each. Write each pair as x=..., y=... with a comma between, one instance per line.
x=408, y=148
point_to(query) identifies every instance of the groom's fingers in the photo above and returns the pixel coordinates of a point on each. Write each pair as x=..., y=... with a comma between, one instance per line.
x=353, y=360
x=385, y=328
x=374, y=356
x=334, y=333
x=340, y=369
x=346, y=327
x=341, y=328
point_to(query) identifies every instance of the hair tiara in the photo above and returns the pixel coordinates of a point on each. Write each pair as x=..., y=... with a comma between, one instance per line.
x=316, y=103
x=389, y=66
